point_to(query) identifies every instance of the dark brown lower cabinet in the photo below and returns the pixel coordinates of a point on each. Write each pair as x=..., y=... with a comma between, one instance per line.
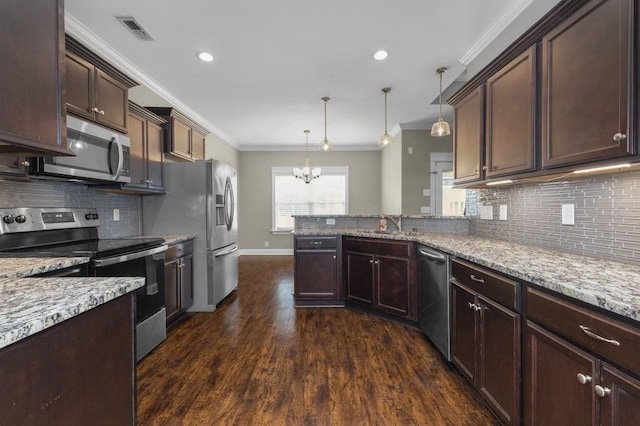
x=178, y=277
x=316, y=269
x=566, y=385
x=78, y=372
x=382, y=274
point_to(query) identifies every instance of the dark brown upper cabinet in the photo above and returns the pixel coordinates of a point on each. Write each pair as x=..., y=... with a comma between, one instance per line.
x=510, y=118
x=586, y=85
x=95, y=90
x=468, y=141
x=184, y=139
x=32, y=114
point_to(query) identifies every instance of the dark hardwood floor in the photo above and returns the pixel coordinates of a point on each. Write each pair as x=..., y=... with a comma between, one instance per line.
x=259, y=361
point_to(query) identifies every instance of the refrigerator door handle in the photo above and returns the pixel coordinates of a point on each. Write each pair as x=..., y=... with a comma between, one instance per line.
x=227, y=252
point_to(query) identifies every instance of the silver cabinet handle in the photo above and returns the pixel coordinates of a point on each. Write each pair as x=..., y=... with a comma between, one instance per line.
x=316, y=243
x=95, y=110
x=619, y=137
x=601, y=391
x=25, y=163
x=588, y=332
x=370, y=261
x=101, y=112
x=476, y=279
x=485, y=168
x=478, y=307
x=335, y=257
x=583, y=379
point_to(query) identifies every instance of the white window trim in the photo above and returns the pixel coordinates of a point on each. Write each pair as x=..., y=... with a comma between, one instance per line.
x=436, y=181
x=287, y=171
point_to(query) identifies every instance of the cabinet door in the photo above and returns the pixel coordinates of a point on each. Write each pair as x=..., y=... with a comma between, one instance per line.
x=360, y=278
x=510, y=125
x=138, y=166
x=585, y=85
x=32, y=113
x=155, y=145
x=469, y=137
x=112, y=101
x=499, y=362
x=13, y=168
x=79, y=79
x=392, y=285
x=197, y=145
x=171, y=290
x=464, y=333
x=316, y=275
x=181, y=138
x=621, y=403
x=553, y=394
x=186, y=282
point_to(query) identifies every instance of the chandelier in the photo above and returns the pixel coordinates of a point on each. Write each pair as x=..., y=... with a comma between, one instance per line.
x=306, y=173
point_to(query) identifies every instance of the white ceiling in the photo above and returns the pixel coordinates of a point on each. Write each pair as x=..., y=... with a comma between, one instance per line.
x=275, y=59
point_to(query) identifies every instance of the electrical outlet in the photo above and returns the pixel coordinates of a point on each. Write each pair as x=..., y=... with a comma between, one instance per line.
x=425, y=209
x=266, y=243
x=331, y=222
x=116, y=214
x=503, y=212
x=410, y=150
x=568, y=214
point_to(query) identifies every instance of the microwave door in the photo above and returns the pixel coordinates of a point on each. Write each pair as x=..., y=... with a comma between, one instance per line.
x=116, y=157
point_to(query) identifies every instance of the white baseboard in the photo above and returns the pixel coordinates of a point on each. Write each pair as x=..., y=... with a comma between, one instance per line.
x=265, y=252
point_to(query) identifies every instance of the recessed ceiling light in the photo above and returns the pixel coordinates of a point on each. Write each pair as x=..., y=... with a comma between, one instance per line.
x=380, y=55
x=205, y=56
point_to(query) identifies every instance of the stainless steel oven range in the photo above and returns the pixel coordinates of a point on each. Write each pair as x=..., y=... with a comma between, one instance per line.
x=73, y=232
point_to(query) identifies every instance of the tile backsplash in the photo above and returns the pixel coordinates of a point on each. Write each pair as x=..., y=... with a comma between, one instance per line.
x=40, y=193
x=607, y=215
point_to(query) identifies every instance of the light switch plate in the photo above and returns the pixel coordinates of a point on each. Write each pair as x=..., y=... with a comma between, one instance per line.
x=568, y=214
x=410, y=150
x=486, y=212
x=426, y=192
x=503, y=212
x=331, y=221
x=116, y=214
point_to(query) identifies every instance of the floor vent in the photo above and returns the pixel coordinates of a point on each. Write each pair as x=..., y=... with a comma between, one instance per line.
x=133, y=26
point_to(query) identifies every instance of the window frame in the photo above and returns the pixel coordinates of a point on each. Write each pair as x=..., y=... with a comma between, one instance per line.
x=288, y=171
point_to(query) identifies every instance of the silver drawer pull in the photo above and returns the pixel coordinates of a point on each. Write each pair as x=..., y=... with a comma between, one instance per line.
x=316, y=243
x=583, y=379
x=476, y=279
x=601, y=391
x=593, y=335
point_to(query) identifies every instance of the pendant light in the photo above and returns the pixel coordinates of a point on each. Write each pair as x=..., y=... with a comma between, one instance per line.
x=441, y=127
x=386, y=138
x=306, y=173
x=325, y=145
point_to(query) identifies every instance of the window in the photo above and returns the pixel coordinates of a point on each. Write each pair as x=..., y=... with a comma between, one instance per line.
x=327, y=195
x=445, y=200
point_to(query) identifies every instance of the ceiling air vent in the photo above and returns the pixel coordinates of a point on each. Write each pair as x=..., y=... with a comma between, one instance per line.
x=133, y=26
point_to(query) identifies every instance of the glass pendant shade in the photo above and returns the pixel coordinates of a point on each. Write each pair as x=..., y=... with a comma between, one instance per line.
x=440, y=127
x=307, y=173
x=385, y=139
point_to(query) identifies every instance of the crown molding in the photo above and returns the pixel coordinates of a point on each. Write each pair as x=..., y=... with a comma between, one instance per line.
x=502, y=21
x=289, y=148
x=81, y=33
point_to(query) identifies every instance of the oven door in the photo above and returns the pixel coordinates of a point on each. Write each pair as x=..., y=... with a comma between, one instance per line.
x=149, y=264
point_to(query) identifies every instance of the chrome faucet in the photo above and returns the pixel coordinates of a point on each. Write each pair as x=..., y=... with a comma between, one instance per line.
x=397, y=223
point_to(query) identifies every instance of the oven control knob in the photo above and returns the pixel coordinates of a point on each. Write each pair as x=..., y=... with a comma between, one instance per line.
x=88, y=216
x=8, y=219
x=95, y=216
x=21, y=218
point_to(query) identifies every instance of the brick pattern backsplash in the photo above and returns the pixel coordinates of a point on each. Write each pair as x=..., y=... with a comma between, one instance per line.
x=607, y=215
x=40, y=193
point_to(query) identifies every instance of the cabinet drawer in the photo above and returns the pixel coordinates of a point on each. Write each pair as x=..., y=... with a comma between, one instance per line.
x=378, y=247
x=587, y=328
x=316, y=243
x=489, y=284
x=178, y=250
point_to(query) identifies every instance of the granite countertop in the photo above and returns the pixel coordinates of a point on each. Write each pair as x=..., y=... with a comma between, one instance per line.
x=607, y=284
x=169, y=239
x=30, y=305
x=17, y=267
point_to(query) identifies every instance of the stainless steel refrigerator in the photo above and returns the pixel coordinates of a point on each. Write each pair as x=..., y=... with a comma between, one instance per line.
x=201, y=200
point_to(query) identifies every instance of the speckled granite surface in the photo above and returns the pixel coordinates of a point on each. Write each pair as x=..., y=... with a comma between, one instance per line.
x=30, y=305
x=169, y=239
x=613, y=286
x=15, y=267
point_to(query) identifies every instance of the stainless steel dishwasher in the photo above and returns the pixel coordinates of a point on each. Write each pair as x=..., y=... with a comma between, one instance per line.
x=434, y=271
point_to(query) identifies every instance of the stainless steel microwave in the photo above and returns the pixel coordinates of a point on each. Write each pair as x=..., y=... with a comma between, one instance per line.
x=102, y=155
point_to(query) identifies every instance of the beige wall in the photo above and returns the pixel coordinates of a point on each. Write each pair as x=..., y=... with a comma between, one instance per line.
x=391, y=177
x=254, y=192
x=416, y=171
x=219, y=150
